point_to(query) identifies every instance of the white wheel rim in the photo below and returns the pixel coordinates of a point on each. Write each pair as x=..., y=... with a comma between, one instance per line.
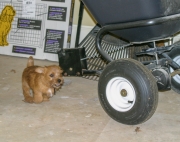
x=176, y=77
x=120, y=94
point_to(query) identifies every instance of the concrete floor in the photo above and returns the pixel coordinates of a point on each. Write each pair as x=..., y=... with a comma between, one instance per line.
x=74, y=114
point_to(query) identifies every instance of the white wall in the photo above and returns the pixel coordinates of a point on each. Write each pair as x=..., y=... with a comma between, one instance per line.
x=84, y=31
x=87, y=23
x=87, y=18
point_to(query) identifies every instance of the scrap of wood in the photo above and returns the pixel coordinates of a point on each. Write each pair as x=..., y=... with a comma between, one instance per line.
x=14, y=71
x=137, y=129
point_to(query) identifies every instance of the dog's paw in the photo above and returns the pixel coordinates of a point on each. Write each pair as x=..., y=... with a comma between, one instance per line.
x=38, y=101
x=6, y=44
x=28, y=100
x=45, y=99
x=1, y=44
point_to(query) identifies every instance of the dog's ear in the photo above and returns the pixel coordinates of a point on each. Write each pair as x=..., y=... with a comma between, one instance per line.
x=61, y=70
x=40, y=70
x=4, y=11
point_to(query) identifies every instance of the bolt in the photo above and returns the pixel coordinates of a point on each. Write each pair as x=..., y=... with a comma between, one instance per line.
x=123, y=93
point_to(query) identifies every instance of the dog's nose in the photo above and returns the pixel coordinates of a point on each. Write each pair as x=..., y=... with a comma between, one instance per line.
x=59, y=80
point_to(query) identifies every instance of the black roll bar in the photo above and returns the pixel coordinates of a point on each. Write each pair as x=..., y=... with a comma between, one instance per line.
x=112, y=27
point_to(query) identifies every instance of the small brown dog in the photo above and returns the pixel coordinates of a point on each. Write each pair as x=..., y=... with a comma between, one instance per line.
x=43, y=81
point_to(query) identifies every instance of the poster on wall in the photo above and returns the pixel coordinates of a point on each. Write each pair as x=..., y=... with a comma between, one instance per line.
x=54, y=40
x=28, y=8
x=55, y=0
x=57, y=13
x=37, y=28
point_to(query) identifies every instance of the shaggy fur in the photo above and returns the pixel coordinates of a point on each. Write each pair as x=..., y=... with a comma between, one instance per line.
x=43, y=81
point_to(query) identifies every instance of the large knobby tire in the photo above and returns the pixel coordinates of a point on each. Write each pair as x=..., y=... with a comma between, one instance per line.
x=175, y=55
x=128, y=91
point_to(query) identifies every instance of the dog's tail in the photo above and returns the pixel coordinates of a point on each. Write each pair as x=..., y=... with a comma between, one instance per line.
x=30, y=61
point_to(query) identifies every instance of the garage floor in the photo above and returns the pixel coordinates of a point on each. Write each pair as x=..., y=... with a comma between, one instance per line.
x=74, y=114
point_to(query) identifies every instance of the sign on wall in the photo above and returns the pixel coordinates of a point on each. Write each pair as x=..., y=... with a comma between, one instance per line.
x=34, y=27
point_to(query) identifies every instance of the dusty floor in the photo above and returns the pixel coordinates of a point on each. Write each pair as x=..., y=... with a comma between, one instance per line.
x=74, y=114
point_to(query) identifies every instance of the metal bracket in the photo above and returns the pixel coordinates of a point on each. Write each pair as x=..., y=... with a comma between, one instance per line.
x=175, y=72
x=158, y=50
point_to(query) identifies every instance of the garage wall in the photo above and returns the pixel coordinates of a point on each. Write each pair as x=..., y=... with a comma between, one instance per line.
x=87, y=19
x=87, y=23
